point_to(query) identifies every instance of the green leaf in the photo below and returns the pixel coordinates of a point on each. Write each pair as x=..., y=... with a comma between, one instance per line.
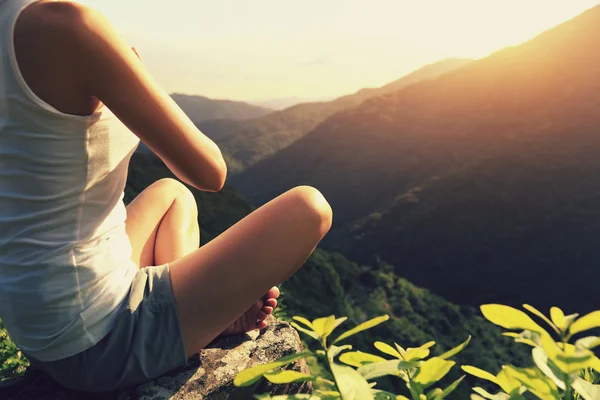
x=310, y=333
x=427, y=345
x=479, y=373
x=589, y=321
x=588, y=343
x=389, y=367
x=362, y=327
x=570, y=318
x=520, y=339
x=446, y=392
x=358, y=358
x=351, y=384
x=456, y=350
x=416, y=354
x=509, y=317
x=507, y=382
x=535, y=381
x=486, y=395
x=339, y=321
x=573, y=363
x=287, y=376
x=433, y=370
x=535, y=311
x=251, y=375
x=433, y=394
x=558, y=317
x=540, y=358
x=324, y=326
x=335, y=350
x=586, y=389
x=387, y=349
x=400, y=350
x=303, y=321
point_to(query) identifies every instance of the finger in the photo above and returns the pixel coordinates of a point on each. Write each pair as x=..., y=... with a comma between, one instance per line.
x=137, y=53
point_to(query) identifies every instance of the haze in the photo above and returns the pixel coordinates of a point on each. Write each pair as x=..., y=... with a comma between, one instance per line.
x=257, y=50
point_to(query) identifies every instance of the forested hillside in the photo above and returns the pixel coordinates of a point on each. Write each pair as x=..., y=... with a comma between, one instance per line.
x=246, y=142
x=482, y=185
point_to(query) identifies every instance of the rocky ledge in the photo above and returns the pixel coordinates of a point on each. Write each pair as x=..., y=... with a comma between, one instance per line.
x=209, y=375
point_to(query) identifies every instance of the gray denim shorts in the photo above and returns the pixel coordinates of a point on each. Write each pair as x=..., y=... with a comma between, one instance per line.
x=145, y=342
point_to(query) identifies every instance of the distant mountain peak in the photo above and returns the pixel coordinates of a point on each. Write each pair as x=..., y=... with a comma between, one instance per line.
x=201, y=108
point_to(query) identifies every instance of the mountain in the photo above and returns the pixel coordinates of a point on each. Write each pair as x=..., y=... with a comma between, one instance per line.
x=246, y=142
x=482, y=185
x=280, y=103
x=200, y=108
x=427, y=72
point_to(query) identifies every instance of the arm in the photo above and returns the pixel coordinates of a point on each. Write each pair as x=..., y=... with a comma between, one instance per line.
x=108, y=70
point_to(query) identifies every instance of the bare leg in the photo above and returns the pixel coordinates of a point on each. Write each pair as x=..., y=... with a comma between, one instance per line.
x=215, y=285
x=162, y=223
x=162, y=226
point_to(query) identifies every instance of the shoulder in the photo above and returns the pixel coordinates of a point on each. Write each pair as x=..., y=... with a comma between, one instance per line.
x=61, y=23
x=75, y=39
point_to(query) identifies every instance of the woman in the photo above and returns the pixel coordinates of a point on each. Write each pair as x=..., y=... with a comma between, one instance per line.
x=98, y=295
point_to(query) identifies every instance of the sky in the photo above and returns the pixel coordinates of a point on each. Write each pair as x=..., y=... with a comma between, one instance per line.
x=269, y=49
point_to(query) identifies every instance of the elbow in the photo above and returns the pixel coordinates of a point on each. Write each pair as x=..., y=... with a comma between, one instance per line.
x=220, y=176
x=216, y=179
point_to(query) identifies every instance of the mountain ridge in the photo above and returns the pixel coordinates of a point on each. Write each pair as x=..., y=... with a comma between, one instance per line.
x=200, y=108
x=487, y=172
x=244, y=143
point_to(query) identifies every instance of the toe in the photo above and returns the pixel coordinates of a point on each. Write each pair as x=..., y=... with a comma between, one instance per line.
x=271, y=303
x=267, y=310
x=261, y=325
x=273, y=293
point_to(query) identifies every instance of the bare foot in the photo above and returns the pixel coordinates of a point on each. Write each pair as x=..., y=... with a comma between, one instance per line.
x=255, y=317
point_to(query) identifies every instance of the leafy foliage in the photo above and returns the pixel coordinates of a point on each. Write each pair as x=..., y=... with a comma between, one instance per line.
x=331, y=284
x=12, y=361
x=561, y=370
x=351, y=371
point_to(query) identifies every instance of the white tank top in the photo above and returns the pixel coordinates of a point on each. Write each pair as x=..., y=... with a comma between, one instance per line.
x=65, y=258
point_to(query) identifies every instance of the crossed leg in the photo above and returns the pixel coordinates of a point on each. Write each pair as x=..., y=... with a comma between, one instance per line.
x=216, y=286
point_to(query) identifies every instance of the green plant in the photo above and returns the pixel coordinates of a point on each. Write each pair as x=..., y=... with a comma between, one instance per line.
x=353, y=370
x=562, y=370
x=12, y=361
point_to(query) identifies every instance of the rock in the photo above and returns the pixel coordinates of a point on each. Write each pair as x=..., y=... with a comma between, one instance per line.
x=209, y=375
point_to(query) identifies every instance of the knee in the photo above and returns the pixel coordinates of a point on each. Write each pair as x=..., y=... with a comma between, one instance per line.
x=314, y=207
x=178, y=193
